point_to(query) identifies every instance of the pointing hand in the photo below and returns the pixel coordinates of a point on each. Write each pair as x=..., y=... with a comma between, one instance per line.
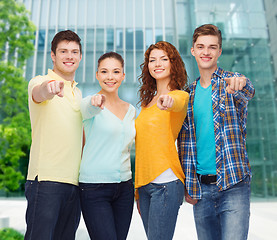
x=98, y=100
x=55, y=88
x=235, y=84
x=164, y=102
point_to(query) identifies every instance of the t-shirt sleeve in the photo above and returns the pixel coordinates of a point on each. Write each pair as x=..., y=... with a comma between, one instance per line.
x=181, y=99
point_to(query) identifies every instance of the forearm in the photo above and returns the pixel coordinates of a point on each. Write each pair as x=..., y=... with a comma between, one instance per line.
x=88, y=111
x=40, y=93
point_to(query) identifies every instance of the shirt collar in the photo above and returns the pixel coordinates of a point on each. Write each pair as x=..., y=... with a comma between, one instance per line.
x=218, y=72
x=55, y=76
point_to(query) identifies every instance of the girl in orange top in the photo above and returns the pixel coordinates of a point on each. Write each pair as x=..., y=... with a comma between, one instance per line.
x=159, y=177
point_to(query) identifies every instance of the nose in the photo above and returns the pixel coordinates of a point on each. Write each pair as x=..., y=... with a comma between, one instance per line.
x=158, y=62
x=206, y=51
x=70, y=55
x=110, y=75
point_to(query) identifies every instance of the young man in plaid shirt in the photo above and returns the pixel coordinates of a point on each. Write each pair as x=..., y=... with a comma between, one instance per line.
x=212, y=143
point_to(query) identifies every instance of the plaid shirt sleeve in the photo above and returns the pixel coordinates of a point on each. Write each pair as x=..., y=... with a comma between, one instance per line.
x=187, y=150
x=230, y=117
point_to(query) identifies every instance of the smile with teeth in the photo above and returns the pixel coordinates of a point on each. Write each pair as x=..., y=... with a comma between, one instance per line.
x=68, y=63
x=110, y=83
x=206, y=58
x=158, y=70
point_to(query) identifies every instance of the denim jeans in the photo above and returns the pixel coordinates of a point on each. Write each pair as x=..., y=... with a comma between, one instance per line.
x=223, y=215
x=159, y=206
x=107, y=209
x=53, y=210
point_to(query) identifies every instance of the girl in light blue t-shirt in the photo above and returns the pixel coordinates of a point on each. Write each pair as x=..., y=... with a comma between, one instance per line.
x=107, y=191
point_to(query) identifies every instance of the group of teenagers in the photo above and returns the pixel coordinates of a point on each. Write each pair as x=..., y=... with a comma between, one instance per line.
x=190, y=142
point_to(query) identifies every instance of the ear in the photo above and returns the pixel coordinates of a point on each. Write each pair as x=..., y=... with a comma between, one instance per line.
x=123, y=77
x=220, y=51
x=192, y=51
x=96, y=75
x=53, y=56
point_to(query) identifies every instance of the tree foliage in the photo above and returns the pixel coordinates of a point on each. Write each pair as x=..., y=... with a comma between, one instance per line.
x=16, y=45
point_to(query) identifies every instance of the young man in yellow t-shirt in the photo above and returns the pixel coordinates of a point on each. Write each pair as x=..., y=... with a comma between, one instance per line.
x=53, y=210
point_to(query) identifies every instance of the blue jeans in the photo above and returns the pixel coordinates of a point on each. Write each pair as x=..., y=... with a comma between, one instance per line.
x=107, y=209
x=223, y=215
x=53, y=211
x=159, y=207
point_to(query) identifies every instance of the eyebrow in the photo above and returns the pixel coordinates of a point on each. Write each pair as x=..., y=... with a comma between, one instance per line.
x=212, y=45
x=76, y=49
x=103, y=68
x=160, y=57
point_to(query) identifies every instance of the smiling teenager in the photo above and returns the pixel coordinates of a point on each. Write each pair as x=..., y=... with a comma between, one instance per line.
x=53, y=210
x=107, y=191
x=159, y=178
x=212, y=143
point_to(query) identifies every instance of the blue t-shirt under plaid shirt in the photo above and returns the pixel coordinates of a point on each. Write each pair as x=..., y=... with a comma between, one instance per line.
x=229, y=117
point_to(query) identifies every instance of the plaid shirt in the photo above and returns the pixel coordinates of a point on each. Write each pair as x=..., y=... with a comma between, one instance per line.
x=229, y=117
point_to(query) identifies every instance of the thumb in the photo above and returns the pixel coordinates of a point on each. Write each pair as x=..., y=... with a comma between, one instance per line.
x=103, y=100
x=61, y=86
x=227, y=80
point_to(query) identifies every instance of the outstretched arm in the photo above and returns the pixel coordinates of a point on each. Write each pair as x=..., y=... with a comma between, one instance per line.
x=47, y=90
x=92, y=105
x=241, y=88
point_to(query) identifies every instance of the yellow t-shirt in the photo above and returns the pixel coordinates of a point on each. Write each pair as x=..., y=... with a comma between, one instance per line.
x=55, y=153
x=156, y=133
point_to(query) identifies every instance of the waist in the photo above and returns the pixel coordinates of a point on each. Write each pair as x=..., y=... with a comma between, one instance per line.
x=207, y=179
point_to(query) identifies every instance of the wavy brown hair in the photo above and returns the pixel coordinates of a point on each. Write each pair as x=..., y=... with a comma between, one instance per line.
x=148, y=85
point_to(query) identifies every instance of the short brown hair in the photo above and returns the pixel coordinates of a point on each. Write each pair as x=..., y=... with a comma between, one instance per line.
x=66, y=35
x=148, y=86
x=207, y=29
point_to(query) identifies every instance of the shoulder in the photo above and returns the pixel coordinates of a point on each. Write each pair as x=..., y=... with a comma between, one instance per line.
x=36, y=81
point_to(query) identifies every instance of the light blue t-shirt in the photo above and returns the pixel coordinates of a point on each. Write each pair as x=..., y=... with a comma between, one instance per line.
x=205, y=138
x=106, y=155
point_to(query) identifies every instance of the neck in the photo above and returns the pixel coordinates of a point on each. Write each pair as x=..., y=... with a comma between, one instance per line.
x=163, y=87
x=68, y=77
x=205, y=76
x=111, y=97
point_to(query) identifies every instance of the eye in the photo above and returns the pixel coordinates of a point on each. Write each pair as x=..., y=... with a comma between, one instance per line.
x=103, y=71
x=152, y=60
x=165, y=59
x=117, y=71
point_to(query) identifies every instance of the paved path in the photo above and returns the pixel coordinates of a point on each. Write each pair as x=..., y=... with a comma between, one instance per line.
x=263, y=222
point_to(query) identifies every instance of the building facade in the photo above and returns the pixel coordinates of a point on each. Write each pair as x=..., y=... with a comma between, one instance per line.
x=130, y=26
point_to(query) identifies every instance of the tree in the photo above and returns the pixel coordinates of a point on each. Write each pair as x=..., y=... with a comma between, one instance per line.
x=16, y=45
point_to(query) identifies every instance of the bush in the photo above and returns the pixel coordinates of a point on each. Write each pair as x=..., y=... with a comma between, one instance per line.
x=10, y=234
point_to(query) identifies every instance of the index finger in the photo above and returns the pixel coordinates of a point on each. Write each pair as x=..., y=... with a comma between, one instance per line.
x=227, y=80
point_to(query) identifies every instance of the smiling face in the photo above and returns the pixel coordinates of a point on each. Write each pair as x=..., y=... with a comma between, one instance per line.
x=67, y=59
x=159, y=65
x=110, y=75
x=206, y=51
